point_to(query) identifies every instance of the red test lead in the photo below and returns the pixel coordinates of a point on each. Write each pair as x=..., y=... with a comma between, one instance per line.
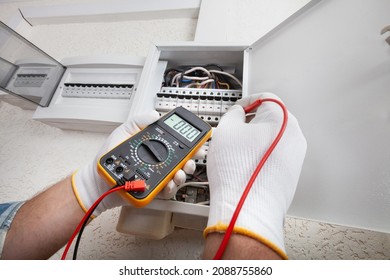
x=263, y=160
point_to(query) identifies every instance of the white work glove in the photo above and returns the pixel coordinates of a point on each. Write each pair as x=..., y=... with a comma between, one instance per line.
x=88, y=186
x=235, y=150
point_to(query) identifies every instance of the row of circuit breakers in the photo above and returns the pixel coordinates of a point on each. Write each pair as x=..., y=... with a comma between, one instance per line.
x=208, y=104
x=109, y=91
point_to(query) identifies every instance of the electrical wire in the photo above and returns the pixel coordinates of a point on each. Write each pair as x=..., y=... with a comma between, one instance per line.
x=224, y=84
x=166, y=74
x=200, y=174
x=76, y=246
x=230, y=228
x=192, y=184
x=85, y=219
x=198, y=68
x=200, y=84
x=188, y=77
x=227, y=74
x=138, y=185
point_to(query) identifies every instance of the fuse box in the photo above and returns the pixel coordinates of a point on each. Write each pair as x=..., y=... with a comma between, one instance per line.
x=89, y=93
x=94, y=93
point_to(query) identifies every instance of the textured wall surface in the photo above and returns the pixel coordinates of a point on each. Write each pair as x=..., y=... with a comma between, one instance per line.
x=34, y=155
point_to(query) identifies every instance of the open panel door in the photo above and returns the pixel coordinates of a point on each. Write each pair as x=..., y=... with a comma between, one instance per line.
x=330, y=63
x=26, y=70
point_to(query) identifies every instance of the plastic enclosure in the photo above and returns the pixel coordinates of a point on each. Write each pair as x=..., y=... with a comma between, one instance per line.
x=94, y=94
x=89, y=93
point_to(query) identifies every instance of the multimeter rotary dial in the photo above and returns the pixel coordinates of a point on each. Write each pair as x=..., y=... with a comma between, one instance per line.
x=153, y=151
x=154, y=154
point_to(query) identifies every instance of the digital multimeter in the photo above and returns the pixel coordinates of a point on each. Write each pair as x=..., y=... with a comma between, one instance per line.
x=154, y=154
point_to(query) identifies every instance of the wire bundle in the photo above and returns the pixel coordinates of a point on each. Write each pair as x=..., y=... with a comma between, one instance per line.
x=201, y=77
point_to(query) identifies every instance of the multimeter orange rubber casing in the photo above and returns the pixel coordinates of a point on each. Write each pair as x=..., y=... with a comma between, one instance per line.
x=154, y=154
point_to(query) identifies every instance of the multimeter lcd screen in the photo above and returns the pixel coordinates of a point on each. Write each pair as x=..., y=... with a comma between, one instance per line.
x=182, y=127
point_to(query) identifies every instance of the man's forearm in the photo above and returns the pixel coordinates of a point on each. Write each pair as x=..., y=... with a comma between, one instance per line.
x=43, y=224
x=240, y=247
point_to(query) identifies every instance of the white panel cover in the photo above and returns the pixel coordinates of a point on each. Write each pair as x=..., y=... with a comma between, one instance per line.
x=331, y=66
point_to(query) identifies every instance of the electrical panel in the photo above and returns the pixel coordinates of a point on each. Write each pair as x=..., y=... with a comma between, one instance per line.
x=89, y=93
x=94, y=93
x=206, y=80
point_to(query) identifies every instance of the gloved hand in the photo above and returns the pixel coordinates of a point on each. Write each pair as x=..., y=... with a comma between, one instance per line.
x=88, y=186
x=235, y=150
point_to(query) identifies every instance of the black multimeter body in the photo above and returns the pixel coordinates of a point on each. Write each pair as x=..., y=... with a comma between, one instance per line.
x=155, y=154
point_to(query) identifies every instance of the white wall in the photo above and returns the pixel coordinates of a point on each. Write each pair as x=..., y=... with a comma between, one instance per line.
x=242, y=21
x=34, y=155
